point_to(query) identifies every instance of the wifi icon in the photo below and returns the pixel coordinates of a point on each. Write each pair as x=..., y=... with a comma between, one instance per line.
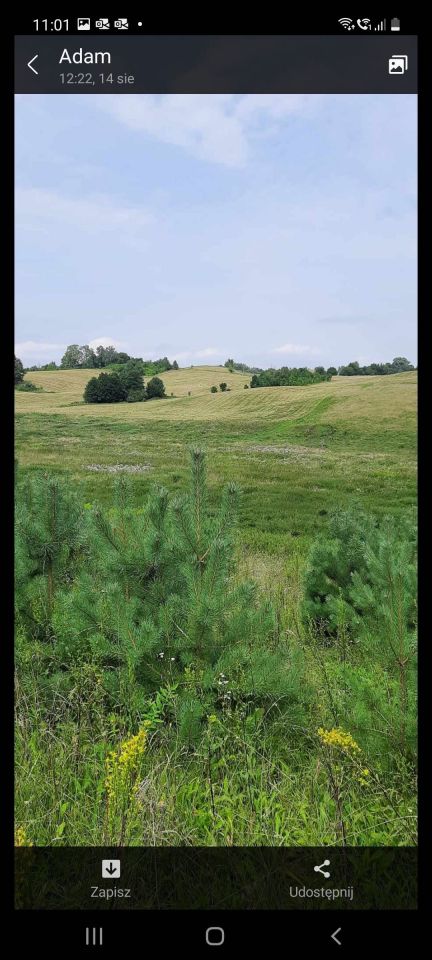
x=347, y=23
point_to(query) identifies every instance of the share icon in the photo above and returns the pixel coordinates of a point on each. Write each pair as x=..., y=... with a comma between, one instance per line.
x=325, y=873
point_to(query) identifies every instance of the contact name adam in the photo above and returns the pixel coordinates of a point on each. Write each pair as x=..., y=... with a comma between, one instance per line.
x=85, y=56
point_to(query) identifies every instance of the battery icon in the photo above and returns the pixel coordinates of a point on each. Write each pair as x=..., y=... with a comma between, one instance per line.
x=395, y=25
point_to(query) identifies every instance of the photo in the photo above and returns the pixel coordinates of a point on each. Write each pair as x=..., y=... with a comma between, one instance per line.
x=215, y=470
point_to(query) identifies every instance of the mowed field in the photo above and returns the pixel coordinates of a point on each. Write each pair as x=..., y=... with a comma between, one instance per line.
x=296, y=452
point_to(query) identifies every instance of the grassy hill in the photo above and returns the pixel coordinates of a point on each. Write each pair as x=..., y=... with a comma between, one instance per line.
x=388, y=399
x=65, y=387
x=295, y=451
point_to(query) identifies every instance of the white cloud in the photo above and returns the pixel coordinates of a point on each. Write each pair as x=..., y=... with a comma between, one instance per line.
x=292, y=348
x=33, y=352
x=274, y=105
x=93, y=214
x=34, y=348
x=216, y=127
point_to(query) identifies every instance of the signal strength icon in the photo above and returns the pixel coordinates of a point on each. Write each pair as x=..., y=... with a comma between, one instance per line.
x=347, y=23
x=380, y=26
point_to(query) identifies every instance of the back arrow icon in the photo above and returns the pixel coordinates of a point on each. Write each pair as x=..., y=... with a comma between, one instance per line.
x=32, y=61
x=334, y=936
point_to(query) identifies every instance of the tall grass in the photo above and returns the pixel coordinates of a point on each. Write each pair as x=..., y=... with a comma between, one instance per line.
x=306, y=754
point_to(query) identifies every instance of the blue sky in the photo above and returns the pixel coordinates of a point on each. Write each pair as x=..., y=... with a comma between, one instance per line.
x=275, y=229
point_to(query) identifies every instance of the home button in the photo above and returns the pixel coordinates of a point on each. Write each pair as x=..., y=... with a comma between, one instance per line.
x=215, y=936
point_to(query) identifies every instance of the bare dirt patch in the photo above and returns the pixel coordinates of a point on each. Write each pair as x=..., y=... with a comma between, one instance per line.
x=293, y=450
x=118, y=467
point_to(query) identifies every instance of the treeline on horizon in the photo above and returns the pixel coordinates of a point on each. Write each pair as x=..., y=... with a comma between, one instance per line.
x=85, y=358
x=295, y=376
x=290, y=377
x=398, y=365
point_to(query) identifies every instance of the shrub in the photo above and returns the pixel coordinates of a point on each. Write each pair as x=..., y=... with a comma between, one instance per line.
x=213, y=389
x=157, y=604
x=155, y=388
x=131, y=376
x=49, y=523
x=106, y=388
x=223, y=387
x=91, y=391
x=153, y=367
x=332, y=559
x=111, y=389
x=27, y=387
x=136, y=396
x=384, y=596
x=342, y=582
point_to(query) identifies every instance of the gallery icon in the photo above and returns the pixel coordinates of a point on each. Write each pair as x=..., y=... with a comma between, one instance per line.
x=398, y=63
x=121, y=24
x=103, y=24
x=111, y=869
x=83, y=23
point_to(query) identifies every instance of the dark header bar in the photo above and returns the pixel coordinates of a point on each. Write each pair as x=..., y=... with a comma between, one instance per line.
x=83, y=63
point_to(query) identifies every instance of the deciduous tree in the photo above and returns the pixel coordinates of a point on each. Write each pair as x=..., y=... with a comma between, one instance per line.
x=155, y=388
x=19, y=371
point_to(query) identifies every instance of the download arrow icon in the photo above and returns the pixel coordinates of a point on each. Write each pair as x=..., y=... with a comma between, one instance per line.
x=32, y=61
x=110, y=868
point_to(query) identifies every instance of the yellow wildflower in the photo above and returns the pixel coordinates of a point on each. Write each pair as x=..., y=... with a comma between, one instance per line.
x=21, y=838
x=339, y=739
x=122, y=784
x=122, y=764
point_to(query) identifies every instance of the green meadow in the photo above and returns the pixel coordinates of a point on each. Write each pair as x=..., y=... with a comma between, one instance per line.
x=296, y=452
x=256, y=769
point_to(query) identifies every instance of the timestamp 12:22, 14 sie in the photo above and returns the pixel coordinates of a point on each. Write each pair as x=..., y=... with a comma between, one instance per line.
x=100, y=78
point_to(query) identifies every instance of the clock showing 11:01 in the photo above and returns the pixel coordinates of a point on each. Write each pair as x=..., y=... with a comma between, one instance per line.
x=51, y=26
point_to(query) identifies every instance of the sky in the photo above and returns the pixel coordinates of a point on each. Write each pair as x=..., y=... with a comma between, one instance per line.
x=279, y=230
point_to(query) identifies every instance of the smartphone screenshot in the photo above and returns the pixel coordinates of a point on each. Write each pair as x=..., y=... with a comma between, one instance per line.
x=215, y=487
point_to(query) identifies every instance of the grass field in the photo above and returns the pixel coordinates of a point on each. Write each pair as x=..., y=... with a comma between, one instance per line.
x=257, y=776
x=295, y=451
